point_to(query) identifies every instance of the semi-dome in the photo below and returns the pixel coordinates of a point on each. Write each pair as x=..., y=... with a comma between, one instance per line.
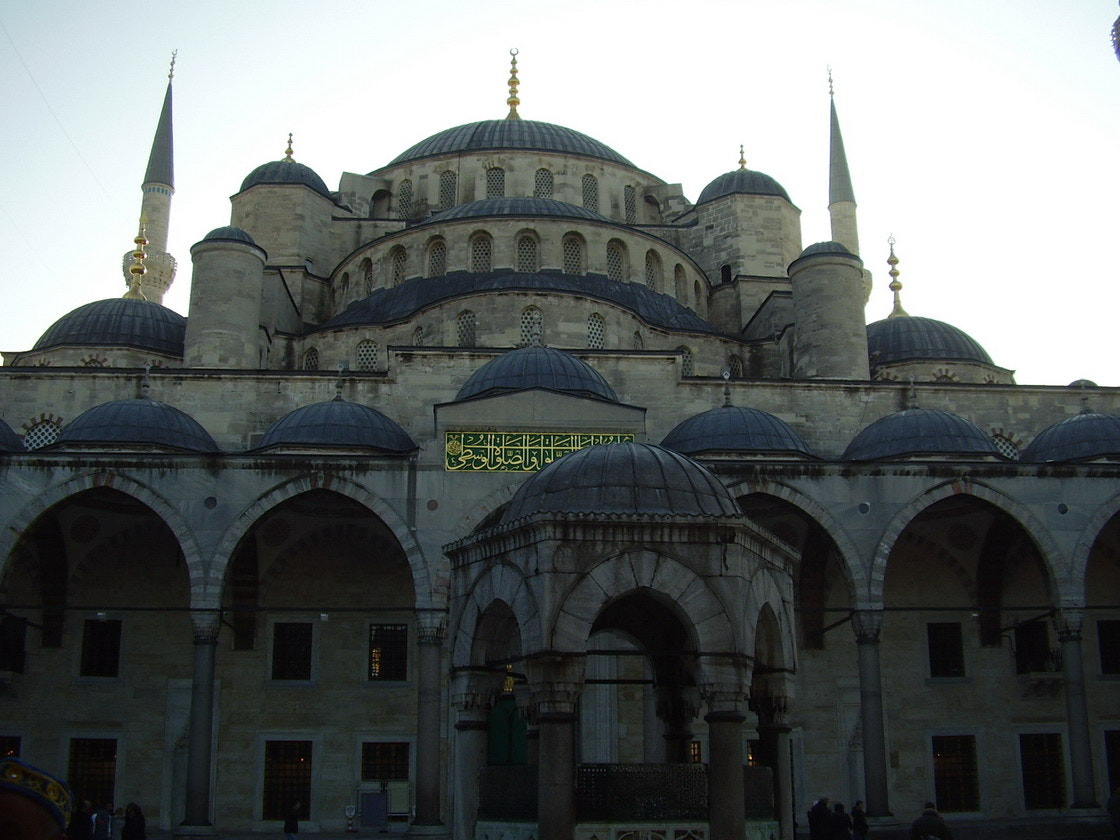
x=229, y=233
x=119, y=322
x=919, y=431
x=515, y=207
x=337, y=423
x=908, y=338
x=537, y=367
x=9, y=440
x=731, y=428
x=137, y=422
x=527, y=135
x=286, y=171
x=623, y=478
x=742, y=182
x=1083, y=437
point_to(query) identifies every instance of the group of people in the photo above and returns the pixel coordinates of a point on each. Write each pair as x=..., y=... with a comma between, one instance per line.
x=834, y=823
x=105, y=823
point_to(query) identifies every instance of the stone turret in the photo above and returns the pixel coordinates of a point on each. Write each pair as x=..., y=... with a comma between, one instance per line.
x=830, y=333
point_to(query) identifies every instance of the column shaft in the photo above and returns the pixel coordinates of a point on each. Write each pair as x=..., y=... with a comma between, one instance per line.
x=197, y=812
x=871, y=714
x=726, y=798
x=1077, y=712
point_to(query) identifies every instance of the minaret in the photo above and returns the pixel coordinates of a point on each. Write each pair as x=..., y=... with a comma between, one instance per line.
x=155, y=206
x=841, y=197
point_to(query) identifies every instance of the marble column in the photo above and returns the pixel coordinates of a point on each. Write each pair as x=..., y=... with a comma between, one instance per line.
x=1068, y=624
x=472, y=696
x=196, y=819
x=774, y=729
x=431, y=629
x=725, y=687
x=867, y=625
x=555, y=682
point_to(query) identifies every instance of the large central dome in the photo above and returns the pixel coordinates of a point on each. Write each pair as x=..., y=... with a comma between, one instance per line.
x=510, y=134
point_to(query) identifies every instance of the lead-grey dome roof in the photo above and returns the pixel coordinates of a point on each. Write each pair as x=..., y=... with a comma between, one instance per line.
x=1083, y=437
x=910, y=338
x=9, y=440
x=143, y=422
x=623, y=478
x=527, y=135
x=515, y=207
x=231, y=233
x=119, y=322
x=337, y=423
x=286, y=171
x=919, y=431
x=537, y=367
x=742, y=181
x=731, y=428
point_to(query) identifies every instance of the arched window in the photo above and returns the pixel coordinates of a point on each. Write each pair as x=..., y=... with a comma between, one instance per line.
x=379, y=204
x=734, y=366
x=311, y=359
x=367, y=276
x=437, y=258
x=1006, y=447
x=680, y=286
x=418, y=337
x=404, y=199
x=686, y=360
x=94, y=361
x=616, y=261
x=398, y=260
x=595, y=331
x=542, y=184
x=573, y=254
x=41, y=434
x=725, y=274
x=532, y=326
x=527, y=261
x=482, y=251
x=495, y=183
x=367, y=355
x=696, y=293
x=653, y=271
x=630, y=203
x=590, y=193
x=464, y=328
x=448, y=189
x=638, y=342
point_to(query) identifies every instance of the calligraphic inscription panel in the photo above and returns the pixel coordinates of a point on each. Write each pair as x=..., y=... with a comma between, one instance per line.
x=516, y=451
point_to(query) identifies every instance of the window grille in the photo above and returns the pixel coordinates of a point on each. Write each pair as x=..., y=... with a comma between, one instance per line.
x=399, y=261
x=956, y=780
x=1044, y=784
x=465, y=324
x=94, y=362
x=946, y=649
x=1006, y=447
x=367, y=355
x=448, y=189
x=680, y=286
x=734, y=367
x=595, y=331
x=495, y=183
x=92, y=768
x=532, y=326
x=437, y=259
x=590, y=193
x=1108, y=643
x=1032, y=649
x=311, y=359
x=653, y=272
x=686, y=360
x=404, y=199
x=630, y=202
x=41, y=434
x=482, y=248
x=384, y=761
x=101, y=648
x=639, y=344
x=367, y=277
x=287, y=779
x=418, y=337
x=572, y=248
x=291, y=650
x=527, y=254
x=542, y=184
x=616, y=262
x=388, y=652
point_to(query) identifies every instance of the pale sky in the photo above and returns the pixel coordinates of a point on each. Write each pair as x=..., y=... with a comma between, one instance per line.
x=983, y=134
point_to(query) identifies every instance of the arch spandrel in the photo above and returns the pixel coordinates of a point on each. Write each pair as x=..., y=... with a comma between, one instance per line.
x=1072, y=582
x=500, y=583
x=767, y=603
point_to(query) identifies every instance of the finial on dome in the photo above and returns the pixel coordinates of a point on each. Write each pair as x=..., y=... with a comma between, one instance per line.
x=896, y=285
x=830, y=91
x=171, y=72
x=513, y=100
x=137, y=269
x=742, y=158
x=288, y=151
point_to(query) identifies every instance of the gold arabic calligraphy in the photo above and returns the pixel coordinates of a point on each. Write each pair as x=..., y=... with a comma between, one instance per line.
x=516, y=451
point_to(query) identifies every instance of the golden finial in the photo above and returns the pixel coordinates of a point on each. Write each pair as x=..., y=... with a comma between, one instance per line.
x=896, y=285
x=742, y=158
x=830, y=80
x=171, y=72
x=137, y=269
x=513, y=101
x=288, y=151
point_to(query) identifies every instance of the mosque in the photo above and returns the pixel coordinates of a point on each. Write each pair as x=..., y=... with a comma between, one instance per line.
x=506, y=492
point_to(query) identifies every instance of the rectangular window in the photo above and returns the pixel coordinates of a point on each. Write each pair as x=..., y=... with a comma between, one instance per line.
x=92, y=770
x=955, y=778
x=9, y=746
x=101, y=648
x=1044, y=782
x=1108, y=642
x=13, y=639
x=384, y=761
x=695, y=755
x=291, y=650
x=946, y=649
x=1032, y=649
x=287, y=779
x=388, y=652
x=1112, y=757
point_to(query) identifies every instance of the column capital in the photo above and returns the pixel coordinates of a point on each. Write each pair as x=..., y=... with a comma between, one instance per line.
x=206, y=625
x=725, y=683
x=1068, y=622
x=867, y=625
x=555, y=683
x=431, y=626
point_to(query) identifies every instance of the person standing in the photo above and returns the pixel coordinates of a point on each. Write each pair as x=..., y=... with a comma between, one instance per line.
x=840, y=824
x=80, y=827
x=930, y=824
x=291, y=822
x=859, y=821
x=101, y=823
x=820, y=821
x=134, y=828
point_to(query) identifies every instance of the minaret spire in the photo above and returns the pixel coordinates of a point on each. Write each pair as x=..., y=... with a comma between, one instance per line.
x=841, y=197
x=513, y=100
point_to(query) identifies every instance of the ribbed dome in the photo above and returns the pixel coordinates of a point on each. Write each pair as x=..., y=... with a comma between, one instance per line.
x=734, y=429
x=537, y=367
x=9, y=440
x=515, y=207
x=909, y=338
x=119, y=322
x=337, y=423
x=229, y=232
x=623, y=478
x=919, y=431
x=510, y=134
x=285, y=172
x=137, y=422
x=742, y=181
x=1083, y=437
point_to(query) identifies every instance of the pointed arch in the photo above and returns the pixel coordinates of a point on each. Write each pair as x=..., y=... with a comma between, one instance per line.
x=1071, y=584
x=501, y=582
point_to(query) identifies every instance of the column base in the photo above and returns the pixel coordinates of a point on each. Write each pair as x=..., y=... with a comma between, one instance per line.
x=428, y=831
x=194, y=831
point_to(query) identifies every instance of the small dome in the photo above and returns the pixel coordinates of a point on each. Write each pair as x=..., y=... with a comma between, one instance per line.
x=137, y=422
x=909, y=338
x=285, y=171
x=528, y=135
x=743, y=182
x=9, y=440
x=919, y=431
x=826, y=248
x=1083, y=437
x=229, y=232
x=623, y=478
x=119, y=322
x=515, y=207
x=1083, y=383
x=734, y=429
x=337, y=423
x=537, y=367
